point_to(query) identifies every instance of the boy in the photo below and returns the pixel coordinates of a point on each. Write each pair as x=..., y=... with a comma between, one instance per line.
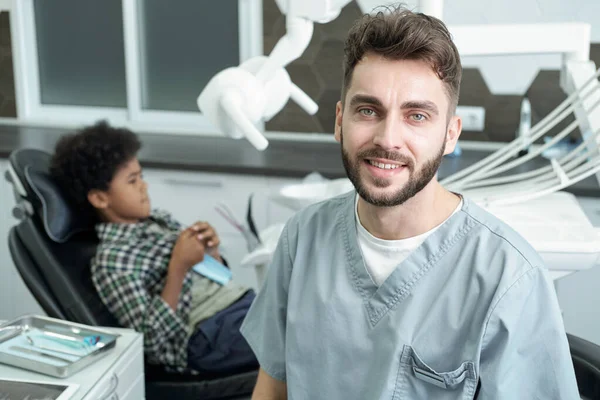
x=142, y=267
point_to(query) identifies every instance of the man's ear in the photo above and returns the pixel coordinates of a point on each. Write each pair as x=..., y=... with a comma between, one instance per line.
x=339, y=109
x=98, y=199
x=452, y=134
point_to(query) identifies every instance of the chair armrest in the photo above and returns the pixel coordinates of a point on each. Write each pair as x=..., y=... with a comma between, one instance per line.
x=586, y=361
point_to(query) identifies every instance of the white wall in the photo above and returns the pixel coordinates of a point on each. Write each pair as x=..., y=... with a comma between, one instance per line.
x=472, y=12
x=514, y=74
x=579, y=294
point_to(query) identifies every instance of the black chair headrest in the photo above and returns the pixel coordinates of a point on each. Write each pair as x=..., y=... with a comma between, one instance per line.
x=60, y=218
x=61, y=221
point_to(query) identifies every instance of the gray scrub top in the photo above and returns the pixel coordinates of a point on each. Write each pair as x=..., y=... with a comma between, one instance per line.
x=473, y=302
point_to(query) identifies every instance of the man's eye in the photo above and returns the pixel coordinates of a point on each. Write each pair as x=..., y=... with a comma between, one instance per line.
x=367, y=112
x=418, y=117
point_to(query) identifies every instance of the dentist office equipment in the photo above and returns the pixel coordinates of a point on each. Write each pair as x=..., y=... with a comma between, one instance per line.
x=239, y=100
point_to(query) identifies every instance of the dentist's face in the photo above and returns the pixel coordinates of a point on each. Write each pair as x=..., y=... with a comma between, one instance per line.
x=393, y=129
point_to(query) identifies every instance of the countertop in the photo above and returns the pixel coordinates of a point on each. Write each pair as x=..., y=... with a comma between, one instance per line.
x=218, y=154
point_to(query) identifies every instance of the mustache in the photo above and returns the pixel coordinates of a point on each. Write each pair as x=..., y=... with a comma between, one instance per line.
x=389, y=155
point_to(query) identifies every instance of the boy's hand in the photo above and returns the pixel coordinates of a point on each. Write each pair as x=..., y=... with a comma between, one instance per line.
x=188, y=251
x=207, y=235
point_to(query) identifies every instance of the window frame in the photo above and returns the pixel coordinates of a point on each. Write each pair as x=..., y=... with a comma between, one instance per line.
x=30, y=109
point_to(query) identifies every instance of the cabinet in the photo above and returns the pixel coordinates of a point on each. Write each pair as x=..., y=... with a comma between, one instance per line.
x=194, y=196
x=124, y=377
x=118, y=375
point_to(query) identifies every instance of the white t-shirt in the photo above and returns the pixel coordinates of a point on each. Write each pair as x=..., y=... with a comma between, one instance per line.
x=383, y=256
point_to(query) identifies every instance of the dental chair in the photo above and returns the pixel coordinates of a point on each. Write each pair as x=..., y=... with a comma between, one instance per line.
x=51, y=248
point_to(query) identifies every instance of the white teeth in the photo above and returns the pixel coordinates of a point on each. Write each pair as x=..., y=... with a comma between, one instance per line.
x=383, y=166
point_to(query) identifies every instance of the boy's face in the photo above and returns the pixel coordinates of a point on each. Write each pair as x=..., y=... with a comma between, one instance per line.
x=126, y=200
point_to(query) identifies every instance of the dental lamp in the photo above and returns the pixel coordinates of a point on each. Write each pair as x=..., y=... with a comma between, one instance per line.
x=238, y=99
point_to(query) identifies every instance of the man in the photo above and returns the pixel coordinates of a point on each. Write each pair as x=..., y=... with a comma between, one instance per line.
x=406, y=290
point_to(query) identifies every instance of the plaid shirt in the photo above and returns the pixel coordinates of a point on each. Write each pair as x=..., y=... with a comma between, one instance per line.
x=129, y=272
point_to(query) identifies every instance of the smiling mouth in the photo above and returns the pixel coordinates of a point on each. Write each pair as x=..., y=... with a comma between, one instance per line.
x=381, y=165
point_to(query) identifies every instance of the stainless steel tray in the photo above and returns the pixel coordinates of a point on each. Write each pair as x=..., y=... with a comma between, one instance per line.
x=13, y=335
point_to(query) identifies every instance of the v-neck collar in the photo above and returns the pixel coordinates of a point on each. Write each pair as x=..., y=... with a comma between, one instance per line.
x=400, y=283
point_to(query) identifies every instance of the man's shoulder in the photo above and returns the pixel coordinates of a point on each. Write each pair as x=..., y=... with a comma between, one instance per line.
x=500, y=236
x=501, y=257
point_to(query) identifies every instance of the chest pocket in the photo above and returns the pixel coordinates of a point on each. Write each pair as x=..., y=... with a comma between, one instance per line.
x=416, y=380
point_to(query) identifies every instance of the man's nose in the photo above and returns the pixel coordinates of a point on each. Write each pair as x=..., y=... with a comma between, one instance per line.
x=389, y=135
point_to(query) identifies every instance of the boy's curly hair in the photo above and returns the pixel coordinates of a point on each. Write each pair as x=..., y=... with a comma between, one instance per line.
x=89, y=159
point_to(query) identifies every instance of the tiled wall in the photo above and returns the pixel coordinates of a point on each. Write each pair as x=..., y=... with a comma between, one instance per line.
x=7, y=80
x=319, y=73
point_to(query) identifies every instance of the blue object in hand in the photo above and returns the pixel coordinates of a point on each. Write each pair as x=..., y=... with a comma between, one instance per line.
x=213, y=270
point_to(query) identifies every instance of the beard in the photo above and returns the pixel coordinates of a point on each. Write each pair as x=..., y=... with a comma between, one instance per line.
x=417, y=179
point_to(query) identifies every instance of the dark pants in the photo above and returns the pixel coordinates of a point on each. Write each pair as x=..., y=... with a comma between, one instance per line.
x=217, y=345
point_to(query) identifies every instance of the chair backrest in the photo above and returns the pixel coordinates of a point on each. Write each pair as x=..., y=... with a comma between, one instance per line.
x=56, y=270
x=30, y=273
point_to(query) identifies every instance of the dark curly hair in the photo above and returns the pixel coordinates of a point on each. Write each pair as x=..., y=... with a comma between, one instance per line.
x=89, y=159
x=397, y=33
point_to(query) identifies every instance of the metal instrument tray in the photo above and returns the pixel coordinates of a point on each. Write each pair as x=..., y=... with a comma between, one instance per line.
x=18, y=349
